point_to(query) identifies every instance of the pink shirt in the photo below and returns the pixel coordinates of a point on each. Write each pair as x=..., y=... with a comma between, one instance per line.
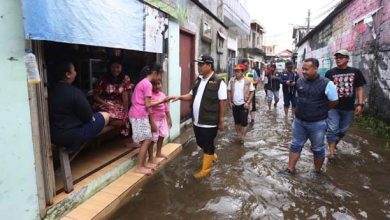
x=157, y=112
x=138, y=109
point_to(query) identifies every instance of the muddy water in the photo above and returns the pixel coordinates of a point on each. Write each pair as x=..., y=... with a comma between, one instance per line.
x=245, y=183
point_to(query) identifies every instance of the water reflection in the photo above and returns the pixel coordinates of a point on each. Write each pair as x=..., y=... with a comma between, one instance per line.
x=245, y=183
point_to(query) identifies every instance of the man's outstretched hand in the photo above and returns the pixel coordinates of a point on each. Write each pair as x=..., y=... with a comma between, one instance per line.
x=174, y=98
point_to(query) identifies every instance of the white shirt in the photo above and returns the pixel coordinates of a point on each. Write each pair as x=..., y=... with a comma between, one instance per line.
x=238, y=96
x=222, y=95
x=264, y=78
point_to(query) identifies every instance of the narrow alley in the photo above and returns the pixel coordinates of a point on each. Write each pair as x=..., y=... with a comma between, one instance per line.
x=246, y=183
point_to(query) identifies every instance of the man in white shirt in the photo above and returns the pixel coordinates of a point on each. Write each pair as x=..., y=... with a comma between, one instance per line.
x=208, y=97
x=240, y=95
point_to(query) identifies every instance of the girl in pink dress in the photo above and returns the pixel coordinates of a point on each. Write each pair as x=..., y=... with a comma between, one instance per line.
x=141, y=101
x=160, y=121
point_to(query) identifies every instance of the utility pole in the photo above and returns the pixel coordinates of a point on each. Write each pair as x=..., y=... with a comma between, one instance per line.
x=308, y=21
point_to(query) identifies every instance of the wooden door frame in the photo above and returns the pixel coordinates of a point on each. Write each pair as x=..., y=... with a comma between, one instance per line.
x=193, y=40
x=41, y=132
x=192, y=36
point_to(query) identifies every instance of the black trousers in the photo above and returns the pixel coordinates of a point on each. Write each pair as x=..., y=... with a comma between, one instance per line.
x=240, y=115
x=205, y=138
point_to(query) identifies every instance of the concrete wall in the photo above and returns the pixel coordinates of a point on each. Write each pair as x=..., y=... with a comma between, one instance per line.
x=18, y=188
x=193, y=23
x=174, y=75
x=369, y=43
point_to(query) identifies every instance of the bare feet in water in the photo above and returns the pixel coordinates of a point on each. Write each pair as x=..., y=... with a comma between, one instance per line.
x=151, y=166
x=157, y=160
x=144, y=170
x=162, y=156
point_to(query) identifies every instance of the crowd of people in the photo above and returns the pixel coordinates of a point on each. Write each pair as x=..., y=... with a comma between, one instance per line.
x=322, y=107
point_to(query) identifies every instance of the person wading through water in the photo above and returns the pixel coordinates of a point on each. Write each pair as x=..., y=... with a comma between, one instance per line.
x=208, y=97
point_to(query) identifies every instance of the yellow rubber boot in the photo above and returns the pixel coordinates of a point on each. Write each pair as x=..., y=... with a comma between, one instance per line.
x=215, y=158
x=206, y=166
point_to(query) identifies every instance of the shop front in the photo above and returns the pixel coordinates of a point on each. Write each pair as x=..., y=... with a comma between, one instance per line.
x=90, y=34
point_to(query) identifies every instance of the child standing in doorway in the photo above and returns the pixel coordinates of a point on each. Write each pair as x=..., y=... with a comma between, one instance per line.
x=139, y=115
x=160, y=120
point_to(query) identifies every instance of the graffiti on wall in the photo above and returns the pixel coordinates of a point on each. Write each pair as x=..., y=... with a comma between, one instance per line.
x=362, y=28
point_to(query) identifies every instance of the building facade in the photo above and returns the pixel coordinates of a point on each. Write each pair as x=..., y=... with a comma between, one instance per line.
x=361, y=26
x=251, y=46
x=237, y=18
x=27, y=184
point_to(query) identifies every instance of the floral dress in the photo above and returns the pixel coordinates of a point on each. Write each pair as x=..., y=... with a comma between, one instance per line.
x=112, y=94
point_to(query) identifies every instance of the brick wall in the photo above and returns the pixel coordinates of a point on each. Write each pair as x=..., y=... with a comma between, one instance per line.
x=369, y=45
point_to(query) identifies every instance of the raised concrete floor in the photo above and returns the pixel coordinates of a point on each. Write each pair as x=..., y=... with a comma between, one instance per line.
x=108, y=199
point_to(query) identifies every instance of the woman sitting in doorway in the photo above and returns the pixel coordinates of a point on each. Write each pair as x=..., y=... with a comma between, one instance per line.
x=112, y=94
x=72, y=121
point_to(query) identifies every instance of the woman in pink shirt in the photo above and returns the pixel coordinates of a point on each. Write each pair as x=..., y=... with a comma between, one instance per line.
x=160, y=121
x=139, y=115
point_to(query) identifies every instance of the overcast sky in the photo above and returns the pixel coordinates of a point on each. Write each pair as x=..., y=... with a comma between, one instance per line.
x=278, y=17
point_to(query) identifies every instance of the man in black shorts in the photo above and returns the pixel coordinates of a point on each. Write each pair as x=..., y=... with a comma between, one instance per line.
x=208, y=97
x=240, y=95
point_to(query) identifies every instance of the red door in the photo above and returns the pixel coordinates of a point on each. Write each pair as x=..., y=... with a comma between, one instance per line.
x=187, y=70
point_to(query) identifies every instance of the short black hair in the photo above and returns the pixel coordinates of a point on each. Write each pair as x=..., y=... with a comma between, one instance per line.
x=148, y=69
x=244, y=61
x=211, y=65
x=156, y=67
x=61, y=69
x=314, y=61
x=114, y=60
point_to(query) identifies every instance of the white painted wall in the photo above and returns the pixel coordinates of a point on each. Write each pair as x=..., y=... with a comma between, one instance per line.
x=174, y=75
x=232, y=43
x=18, y=188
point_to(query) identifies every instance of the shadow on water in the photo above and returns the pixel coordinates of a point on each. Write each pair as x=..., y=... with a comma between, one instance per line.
x=245, y=183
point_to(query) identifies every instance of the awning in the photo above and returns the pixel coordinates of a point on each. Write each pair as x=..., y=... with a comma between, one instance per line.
x=114, y=23
x=222, y=35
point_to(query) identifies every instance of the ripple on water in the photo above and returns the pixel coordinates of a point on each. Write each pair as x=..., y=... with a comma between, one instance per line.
x=347, y=148
x=376, y=156
x=225, y=206
x=343, y=215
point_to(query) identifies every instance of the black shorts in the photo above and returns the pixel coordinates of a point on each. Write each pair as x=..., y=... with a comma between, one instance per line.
x=240, y=115
x=73, y=138
x=205, y=138
x=92, y=128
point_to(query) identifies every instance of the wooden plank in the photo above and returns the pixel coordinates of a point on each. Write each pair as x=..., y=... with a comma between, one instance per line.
x=65, y=169
x=37, y=151
x=44, y=129
x=36, y=139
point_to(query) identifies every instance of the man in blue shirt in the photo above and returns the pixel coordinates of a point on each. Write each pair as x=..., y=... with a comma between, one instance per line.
x=316, y=95
x=273, y=86
x=288, y=80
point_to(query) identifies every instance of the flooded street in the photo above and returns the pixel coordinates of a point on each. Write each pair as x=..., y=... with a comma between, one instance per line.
x=245, y=183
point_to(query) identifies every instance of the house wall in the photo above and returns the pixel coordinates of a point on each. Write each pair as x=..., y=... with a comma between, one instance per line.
x=193, y=23
x=18, y=182
x=369, y=43
x=174, y=75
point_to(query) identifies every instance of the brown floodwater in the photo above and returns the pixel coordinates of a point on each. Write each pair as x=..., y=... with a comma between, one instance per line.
x=245, y=183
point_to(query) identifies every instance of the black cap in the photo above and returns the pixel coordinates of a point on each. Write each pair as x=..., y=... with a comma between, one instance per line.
x=205, y=58
x=289, y=64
